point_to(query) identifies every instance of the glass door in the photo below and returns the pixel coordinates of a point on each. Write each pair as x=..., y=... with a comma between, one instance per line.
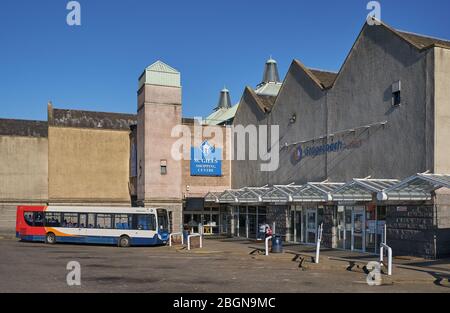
x=298, y=226
x=311, y=225
x=243, y=222
x=341, y=227
x=252, y=223
x=358, y=229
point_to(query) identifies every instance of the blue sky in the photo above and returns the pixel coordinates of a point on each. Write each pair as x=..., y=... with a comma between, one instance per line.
x=213, y=43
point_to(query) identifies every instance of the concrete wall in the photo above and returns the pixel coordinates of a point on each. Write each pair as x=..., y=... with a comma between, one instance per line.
x=88, y=166
x=361, y=95
x=159, y=110
x=23, y=169
x=199, y=186
x=24, y=176
x=442, y=111
x=442, y=211
x=304, y=98
x=247, y=172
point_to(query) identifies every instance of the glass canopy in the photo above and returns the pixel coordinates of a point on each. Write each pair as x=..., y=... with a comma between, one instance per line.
x=416, y=188
x=362, y=189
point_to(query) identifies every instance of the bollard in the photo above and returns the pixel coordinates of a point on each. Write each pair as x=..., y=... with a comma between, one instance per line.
x=267, y=244
x=194, y=235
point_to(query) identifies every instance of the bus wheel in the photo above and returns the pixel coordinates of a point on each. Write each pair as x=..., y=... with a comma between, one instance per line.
x=50, y=238
x=124, y=242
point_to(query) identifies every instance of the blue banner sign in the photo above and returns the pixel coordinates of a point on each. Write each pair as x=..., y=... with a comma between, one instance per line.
x=206, y=160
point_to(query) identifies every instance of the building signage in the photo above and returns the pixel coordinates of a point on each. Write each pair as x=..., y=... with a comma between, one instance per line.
x=206, y=160
x=314, y=151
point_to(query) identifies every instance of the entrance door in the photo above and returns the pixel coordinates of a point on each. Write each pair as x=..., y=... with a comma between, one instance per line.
x=311, y=225
x=298, y=226
x=252, y=223
x=341, y=227
x=358, y=229
x=242, y=223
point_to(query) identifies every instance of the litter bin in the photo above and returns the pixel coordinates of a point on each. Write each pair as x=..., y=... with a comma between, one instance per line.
x=277, y=244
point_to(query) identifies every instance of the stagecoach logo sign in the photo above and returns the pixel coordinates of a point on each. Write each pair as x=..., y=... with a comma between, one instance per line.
x=206, y=160
x=314, y=151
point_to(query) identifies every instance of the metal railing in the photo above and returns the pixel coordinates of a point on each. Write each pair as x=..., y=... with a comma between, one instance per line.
x=176, y=234
x=384, y=246
x=267, y=244
x=319, y=241
x=192, y=236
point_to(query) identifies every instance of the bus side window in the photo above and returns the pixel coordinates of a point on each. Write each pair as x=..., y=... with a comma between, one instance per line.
x=122, y=221
x=29, y=218
x=53, y=219
x=104, y=221
x=70, y=220
x=144, y=222
x=38, y=219
x=91, y=220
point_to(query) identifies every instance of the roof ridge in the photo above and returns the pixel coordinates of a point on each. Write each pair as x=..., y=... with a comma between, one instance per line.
x=90, y=111
x=422, y=35
x=321, y=70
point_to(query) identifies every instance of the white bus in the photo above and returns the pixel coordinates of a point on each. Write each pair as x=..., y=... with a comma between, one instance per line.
x=93, y=225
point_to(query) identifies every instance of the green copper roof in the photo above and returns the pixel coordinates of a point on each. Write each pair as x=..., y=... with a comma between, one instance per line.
x=159, y=73
x=220, y=116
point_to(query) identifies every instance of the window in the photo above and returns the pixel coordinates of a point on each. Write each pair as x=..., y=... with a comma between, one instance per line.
x=38, y=219
x=91, y=220
x=123, y=221
x=29, y=218
x=53, y=219
x=396, y=93
x=144, y=222
x=104, y=221
x=163, y=167
x=83, y=220
x=70, y=220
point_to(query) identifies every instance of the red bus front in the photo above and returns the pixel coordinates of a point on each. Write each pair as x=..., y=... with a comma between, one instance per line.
x=30, y=223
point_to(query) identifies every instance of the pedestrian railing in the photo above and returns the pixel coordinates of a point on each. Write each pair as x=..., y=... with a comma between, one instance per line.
x=267, y=244
x=319, y=241
x=193, y=236
x=175, y=234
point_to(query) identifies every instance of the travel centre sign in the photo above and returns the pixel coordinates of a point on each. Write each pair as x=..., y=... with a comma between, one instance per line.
x=206, y=160
x=314, y=151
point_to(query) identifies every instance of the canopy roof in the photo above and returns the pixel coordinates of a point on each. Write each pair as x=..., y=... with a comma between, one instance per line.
x=280, y=194
x=417, y=188
x=362, y=189
x=316, y=192
x=212, y=197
